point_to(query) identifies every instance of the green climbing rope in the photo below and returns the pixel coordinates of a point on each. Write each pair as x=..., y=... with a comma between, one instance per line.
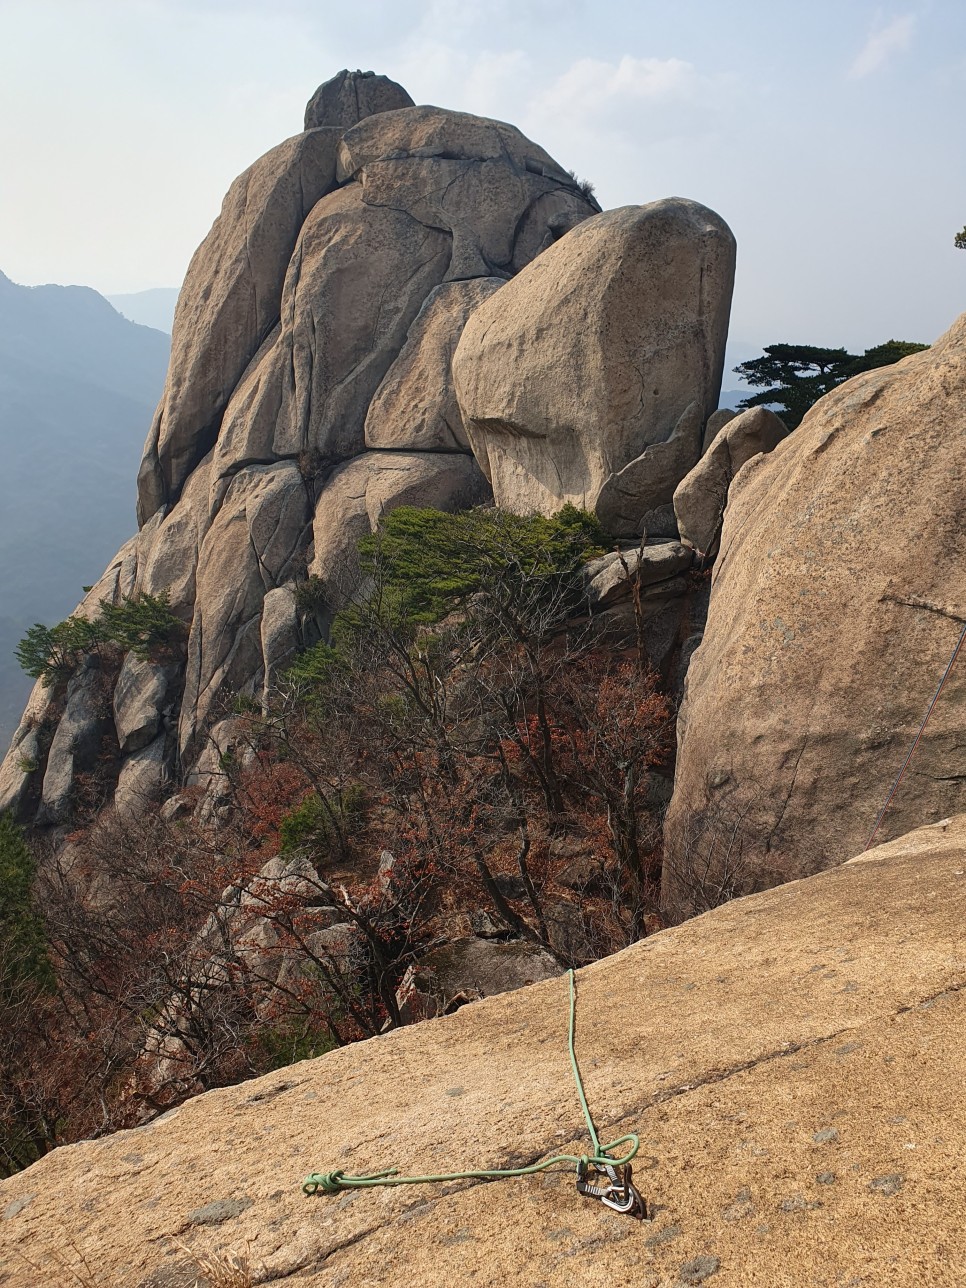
x=337, y=1181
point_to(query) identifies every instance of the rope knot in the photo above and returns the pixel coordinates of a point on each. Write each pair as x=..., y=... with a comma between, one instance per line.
x=327, y=1182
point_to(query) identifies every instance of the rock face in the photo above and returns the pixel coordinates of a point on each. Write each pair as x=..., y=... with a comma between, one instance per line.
x=613, y=575
x=837, y=598
x=350, y=96
x=589, y=378
x=229, y=302
x=468, y=969
x=700, y=498
x=798, y=1101
x=75, y=744
x=415, y=407
x=309, y=388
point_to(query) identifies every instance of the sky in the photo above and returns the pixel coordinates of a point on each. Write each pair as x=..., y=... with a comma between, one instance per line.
x=827, y=134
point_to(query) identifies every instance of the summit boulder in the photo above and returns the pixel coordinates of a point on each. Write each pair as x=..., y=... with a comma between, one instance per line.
x=609, y=346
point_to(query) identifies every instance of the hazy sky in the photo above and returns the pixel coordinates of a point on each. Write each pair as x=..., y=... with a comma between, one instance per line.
x=828, y=134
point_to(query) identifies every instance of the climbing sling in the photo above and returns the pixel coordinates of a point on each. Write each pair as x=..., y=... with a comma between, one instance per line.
x=599, y=1174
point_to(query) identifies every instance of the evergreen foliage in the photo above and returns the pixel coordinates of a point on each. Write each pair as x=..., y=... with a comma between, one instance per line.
x=433, y=562
x=794, y=377
x=312, y=670
x=50, y=653
x=314, y=823
x=141, y=624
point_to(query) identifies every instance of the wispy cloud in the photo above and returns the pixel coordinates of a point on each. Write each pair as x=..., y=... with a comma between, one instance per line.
x=894, y=38
x=591, y=84
x=629, y=100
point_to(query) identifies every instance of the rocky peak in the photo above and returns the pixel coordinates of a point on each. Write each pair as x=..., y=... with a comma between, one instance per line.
x=338, y=350
x=349, y=96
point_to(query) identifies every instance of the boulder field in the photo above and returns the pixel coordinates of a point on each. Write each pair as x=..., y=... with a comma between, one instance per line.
x=793, y=1062
x=837, y=598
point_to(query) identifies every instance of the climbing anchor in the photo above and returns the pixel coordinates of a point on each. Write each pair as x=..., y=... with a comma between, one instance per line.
x=600, y=1175
x=620, y=1193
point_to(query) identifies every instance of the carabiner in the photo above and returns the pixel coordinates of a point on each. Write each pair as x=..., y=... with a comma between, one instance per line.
x=619, y=1194
x=627, y=1200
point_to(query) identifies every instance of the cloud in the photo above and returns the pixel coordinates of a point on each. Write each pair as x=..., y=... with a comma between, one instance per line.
x=883, y=43
x=591, y=87
x=628, y=102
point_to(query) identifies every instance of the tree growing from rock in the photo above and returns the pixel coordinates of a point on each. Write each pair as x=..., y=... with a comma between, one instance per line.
x=793, y=377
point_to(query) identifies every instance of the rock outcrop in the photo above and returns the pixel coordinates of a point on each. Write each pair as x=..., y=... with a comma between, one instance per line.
x=349, y=97
x=792, y=1062
x=837, y=598
x=229, y=302
x=589, y=378
x=309, y=387
x=701, y=496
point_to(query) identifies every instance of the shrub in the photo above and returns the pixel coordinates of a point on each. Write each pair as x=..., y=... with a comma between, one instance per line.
x=434, y=562
x=311, y=597
x=23, y=953
x=141, y=624
x=585, y=187
x=312, y=670
x=276, y=1046
x=318, y=822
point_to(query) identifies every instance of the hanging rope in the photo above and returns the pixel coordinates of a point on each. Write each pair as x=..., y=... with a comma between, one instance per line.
x=600, y=1159
x=922, y=729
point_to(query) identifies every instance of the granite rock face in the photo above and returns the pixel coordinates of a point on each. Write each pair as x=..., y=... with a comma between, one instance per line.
x=837, y=598
x=415, y=408
x=589, y=377
x=702, y=495
x=229, y=301
x=349, y=97
x=776, y=1104
x=309, y=391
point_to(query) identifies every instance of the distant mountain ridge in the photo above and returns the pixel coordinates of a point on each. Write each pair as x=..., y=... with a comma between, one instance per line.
x=78, y=385
x=154, y=308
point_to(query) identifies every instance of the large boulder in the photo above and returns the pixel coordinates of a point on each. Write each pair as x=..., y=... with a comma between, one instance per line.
x=467, y=969
x=838, y=595
x=254, y=545
x=358, y=278
x=609, y=345
x=613, y=576
x=435, y=133
x=349, y=97
x=309, y=388
x=143, y=778
x=700, y=498
x=168, y=544
x=27, y=748
x=793, y=1063
x=139, y=696
x=77, y=741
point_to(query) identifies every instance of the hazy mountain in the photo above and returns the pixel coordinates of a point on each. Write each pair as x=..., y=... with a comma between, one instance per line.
x=153, y=308
x=78, y=387
x=732, y=397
